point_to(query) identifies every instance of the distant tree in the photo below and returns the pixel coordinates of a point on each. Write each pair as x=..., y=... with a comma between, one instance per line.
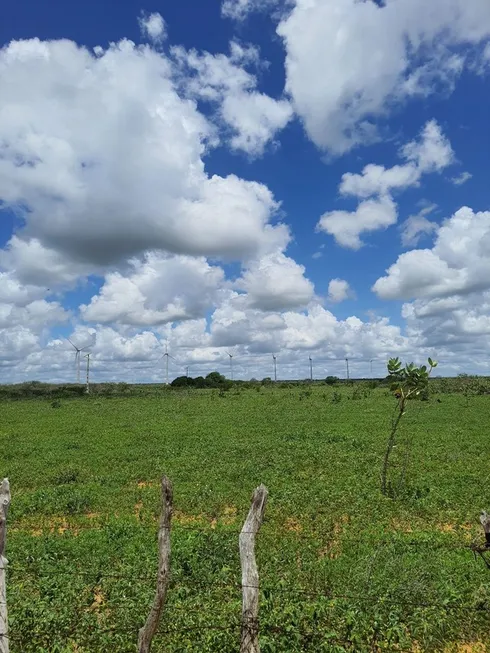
x=215, y=380
x=331, y=380
x=182, y=382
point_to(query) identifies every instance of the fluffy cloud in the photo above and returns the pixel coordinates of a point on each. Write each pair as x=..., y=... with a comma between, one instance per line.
x=38, y=265
x=348, y=61
x=153, y=26
x=25, y=306
x=253, y=117
x=107, y=158
x=158, y=290
x=275, y=282
x=338, y=290
x=370, y=215
x=431, y=153
x=455, y=328
x=292, y=333
x=458, y=264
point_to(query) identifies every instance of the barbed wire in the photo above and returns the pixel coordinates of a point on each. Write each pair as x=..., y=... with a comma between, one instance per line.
x=223, y=529
x=326, y=593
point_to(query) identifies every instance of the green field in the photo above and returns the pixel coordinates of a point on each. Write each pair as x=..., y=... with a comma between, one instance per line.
x=342, y=567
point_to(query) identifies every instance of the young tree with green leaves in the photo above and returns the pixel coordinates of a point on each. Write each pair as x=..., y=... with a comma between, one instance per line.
x=406, y=383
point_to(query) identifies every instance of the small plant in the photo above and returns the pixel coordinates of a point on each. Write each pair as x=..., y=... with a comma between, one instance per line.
x=336, y=398
x=407, y=383
x=67, y=476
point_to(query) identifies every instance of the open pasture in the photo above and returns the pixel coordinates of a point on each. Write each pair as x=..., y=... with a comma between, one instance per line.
x=342, y=567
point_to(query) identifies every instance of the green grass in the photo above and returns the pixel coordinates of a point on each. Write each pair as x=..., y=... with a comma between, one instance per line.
x=342, y=567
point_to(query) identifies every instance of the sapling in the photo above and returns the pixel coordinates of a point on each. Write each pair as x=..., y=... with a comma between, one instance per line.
x=406, y=383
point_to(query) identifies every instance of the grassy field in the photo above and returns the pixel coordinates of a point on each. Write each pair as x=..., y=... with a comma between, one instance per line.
x=342, y=567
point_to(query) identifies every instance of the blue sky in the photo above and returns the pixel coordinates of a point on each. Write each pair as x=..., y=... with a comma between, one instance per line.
x=197, y=181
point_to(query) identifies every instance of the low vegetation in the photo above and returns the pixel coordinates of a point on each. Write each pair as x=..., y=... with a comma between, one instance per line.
x=343, y=568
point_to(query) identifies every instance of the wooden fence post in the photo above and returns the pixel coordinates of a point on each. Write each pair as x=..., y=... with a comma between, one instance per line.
x=485, y=522
x=149, y=629
x=4, y=507
x=250, y=575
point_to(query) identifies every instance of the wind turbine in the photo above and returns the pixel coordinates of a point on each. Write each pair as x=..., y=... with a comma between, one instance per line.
x=87, y=356
x=347, y=365
x=231, y=364
x=166, y=355
x=274, y=358
x=78, y=351
x=371, y=361
x=311, y=367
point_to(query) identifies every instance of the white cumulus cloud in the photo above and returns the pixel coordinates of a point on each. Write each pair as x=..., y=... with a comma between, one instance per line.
x=153, y=27
x=155, y=291
x=107, y=158
x=253, y=117
x=338, y=290
x=276, y=282
x=370, y=215
x=458, y=264
x=349, y=62
x=431, y=153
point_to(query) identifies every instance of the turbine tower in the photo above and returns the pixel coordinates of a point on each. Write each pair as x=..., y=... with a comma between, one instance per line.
x=311, y=367
x=87, y=356
x=78, y=351
x=274, y=358
x=347, y=366
x=166, y=355
x=231, y=365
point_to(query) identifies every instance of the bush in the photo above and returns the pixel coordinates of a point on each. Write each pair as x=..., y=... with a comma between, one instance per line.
x=182, y=382
x=332, y=380
x=215, y=380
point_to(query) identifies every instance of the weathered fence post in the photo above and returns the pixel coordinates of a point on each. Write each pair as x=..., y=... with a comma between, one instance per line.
x=485, y=522
x=4, y=507
x=149, y=629
x=250, y=575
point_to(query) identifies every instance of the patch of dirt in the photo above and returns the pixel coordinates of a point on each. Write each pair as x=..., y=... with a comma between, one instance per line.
x=401, y=526
x=99, y=599
x=143, y=484
x=466, y=647
x=333, y=548
x=183, y=518
x=138, y=507
x=446, y=528
x=293, y=525
x=54, y=525
x=229, y=515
